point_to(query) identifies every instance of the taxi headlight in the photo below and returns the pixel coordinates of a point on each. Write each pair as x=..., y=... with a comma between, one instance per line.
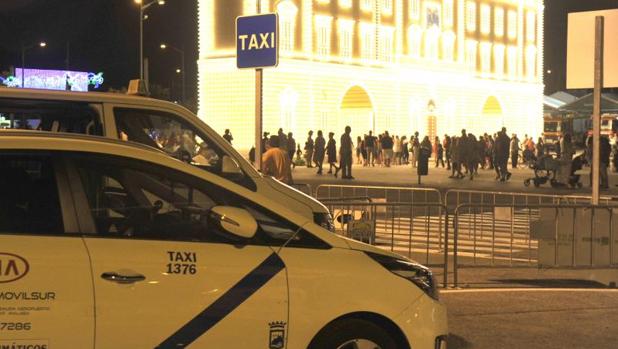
x=420, y=275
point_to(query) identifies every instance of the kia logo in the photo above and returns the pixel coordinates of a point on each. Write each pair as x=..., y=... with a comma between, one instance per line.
x=12, y=267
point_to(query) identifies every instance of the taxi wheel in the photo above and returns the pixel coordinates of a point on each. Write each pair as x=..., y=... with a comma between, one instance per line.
x=353, y=334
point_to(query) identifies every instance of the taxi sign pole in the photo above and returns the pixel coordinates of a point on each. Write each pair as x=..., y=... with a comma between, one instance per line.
x=258, y=118
x=596, y=109
x=258, y=106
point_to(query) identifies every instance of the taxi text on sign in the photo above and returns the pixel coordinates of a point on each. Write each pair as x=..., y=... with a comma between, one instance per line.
x=257, y=41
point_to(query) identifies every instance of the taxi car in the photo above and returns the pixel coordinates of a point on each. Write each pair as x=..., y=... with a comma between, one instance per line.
x=160, y=124
x=110, y=244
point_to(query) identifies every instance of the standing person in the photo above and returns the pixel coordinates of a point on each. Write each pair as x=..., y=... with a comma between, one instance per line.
x=318, y=152
x=440, y=155
x=363, y=149
x=481, y=150
x=540, y=148
x=464, y=150
x=405, y=154
x=447, y=150
x=370, y=143
x=514, y=150
x=228, y=136
x=387, y=148
x=264, y=141
x=416, y=149
x=397, y=151
x=473, y=155
x=283, y=140
x=275, y=162
x=345, y=154
x=359, y=151
x=455, y=165
x=502, y=146
x=489, y=151
x=309, y=150
x=291, y=148
x=331, y=153
x=434, y=149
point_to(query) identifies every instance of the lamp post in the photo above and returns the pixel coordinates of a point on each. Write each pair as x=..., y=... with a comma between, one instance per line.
x=142, y=8
x=182, y=68
x=24, y=49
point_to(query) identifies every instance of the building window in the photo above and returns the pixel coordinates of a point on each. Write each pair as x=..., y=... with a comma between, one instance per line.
x=499, y=59
x=287, y=25
x=368, y=41
x=470, y=16
x=387, y=7
x=512, y=24
x=531, y=61
x=512, y=61
x=447, y=7
x=345, y=3
x=448, y=45
x=288, y=101
x=530, y=26
x=324, y=1
x=415, y=9
x=432, y=38
x=386, y=44
x=499, y=22
x=367, y=5
x=322, y=27
x=485, y=19
x=415, y=34
x=485, y=49
x=471, y=48
x=346, y=35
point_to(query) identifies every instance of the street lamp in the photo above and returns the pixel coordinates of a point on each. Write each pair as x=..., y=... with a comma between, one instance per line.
x=142, y=8
x=24, y=49
x=182, y=69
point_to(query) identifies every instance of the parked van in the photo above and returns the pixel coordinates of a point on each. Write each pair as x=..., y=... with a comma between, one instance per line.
x=156, y=123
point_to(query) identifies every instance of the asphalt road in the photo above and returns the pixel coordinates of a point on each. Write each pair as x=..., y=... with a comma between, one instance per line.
x=532, y=318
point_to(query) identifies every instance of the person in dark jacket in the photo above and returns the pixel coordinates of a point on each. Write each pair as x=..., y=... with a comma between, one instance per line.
x=502, y=149
x=345, y=154
x=309, y=149
x=318, y=151
x=331, y=153
x=291, y=148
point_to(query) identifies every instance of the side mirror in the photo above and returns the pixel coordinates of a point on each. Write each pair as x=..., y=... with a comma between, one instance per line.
x=232, y=222
x=230, y=168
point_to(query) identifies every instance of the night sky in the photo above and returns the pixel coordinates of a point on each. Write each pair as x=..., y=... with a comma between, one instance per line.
x=103, y=36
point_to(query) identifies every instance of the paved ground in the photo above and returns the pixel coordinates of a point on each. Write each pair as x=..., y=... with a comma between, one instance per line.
x=438, y=178
x=532, y=318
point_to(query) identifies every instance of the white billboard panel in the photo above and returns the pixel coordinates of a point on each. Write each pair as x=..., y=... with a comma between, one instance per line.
x=580, y=50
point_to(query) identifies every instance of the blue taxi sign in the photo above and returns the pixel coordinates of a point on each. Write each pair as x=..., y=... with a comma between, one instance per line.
x=257, y=41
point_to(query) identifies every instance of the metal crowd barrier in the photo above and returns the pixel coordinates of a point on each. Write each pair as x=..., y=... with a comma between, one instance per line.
x=542, y=236
x=398, y=227
x=379, y=193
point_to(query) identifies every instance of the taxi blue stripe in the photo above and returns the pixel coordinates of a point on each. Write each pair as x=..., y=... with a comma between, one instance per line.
x=225, y=304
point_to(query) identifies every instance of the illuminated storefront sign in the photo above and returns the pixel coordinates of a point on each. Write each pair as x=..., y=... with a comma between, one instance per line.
x=54, y=79
x=378, y=68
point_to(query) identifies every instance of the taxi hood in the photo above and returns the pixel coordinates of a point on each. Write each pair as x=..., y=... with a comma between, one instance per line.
x=363, y=247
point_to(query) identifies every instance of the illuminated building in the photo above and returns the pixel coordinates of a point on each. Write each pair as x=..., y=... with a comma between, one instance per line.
x=433, y=66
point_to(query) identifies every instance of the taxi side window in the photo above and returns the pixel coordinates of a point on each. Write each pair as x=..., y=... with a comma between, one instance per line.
x=133, y=203
x=50, y=116
x=166, y=132
x=29, y=201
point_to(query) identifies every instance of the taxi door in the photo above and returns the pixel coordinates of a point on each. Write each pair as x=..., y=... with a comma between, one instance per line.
x=162, y=283
x=46, y=294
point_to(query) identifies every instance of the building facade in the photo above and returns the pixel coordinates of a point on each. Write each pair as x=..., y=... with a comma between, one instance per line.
x=432, y=66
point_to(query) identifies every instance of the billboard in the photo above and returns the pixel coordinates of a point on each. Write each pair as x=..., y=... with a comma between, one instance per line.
x=65, y=80
x=580, y=49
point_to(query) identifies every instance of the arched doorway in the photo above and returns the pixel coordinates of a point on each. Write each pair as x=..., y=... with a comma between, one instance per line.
x=492, y=118
x=356, y=111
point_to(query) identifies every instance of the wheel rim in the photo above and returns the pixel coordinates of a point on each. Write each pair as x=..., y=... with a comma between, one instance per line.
x=359, y=344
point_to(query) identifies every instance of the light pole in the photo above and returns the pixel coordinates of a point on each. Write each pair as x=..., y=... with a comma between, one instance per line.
x=182, y=69
x=142, y=8
x=23, y=59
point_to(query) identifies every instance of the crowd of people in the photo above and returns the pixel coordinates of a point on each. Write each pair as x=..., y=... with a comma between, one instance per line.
x=461, y=155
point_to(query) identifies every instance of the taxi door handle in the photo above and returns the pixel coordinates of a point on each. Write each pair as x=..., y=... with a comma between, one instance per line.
x=122, y=279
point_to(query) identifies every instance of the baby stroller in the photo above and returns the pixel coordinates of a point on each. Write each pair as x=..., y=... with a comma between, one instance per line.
x=558, y=172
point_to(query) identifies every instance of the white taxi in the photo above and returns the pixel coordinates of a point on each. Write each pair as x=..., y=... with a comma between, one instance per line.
x=108, y=244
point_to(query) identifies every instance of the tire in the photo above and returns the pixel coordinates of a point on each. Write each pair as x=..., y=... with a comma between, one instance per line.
x=353, y=334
